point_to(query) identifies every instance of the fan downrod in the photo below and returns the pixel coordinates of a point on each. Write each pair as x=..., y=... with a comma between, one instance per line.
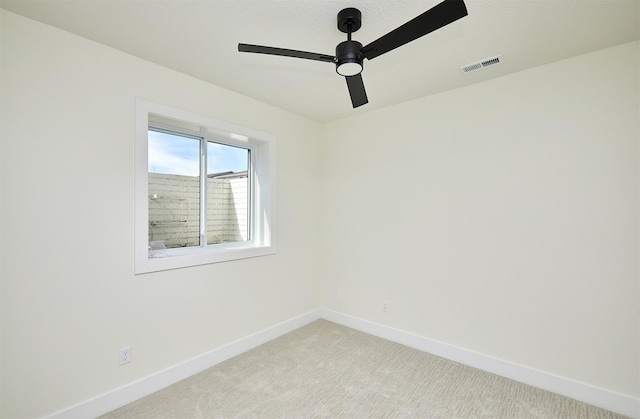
x=349, y=20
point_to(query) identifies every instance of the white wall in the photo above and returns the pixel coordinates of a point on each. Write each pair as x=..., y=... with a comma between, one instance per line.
x=69, y=296
x=501, y=218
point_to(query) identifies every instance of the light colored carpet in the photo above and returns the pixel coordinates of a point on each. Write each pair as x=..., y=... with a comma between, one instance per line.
x=327, y=370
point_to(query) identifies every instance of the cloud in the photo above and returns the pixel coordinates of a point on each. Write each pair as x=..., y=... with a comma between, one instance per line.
x=173, y=154
x=223, y=158
x=179, y=155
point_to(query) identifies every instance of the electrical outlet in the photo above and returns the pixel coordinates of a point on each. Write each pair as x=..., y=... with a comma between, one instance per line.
x=125, y=355
x=385, y=305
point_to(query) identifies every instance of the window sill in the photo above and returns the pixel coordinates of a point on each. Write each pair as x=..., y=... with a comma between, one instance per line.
x=194, y=256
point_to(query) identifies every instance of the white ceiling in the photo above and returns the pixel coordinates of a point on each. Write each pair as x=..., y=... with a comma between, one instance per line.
x=200, y=37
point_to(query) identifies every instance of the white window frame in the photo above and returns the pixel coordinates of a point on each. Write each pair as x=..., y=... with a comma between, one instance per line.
x=261, y=177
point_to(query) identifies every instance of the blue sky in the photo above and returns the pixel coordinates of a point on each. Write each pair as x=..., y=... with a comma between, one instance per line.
x=179, y=155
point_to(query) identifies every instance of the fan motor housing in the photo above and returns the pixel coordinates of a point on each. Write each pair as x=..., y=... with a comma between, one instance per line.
x=348, y=52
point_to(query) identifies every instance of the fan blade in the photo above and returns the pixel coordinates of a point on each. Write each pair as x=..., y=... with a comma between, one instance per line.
x=435, y=18
x=356, y=90
x=285, y=52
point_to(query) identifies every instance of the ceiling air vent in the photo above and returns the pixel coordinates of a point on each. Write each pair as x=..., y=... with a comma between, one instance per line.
x=478, y=65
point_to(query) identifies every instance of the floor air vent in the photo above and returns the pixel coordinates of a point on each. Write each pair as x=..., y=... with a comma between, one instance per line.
x=487, y=62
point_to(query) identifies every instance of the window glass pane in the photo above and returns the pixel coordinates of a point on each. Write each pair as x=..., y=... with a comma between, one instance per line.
x=227, y=193
x=174, y=192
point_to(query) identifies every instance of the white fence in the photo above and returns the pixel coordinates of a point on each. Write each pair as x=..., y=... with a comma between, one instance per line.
x=174, y=209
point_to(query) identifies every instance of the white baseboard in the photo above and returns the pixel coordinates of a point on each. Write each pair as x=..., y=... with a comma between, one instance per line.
x=136, y=390
x=615, y=402
x=107, y=402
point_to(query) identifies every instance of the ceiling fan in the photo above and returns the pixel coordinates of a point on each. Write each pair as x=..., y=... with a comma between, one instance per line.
x=350, y=54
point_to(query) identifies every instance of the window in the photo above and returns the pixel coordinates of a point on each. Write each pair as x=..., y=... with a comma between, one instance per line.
x=181, y=212
x=204, y=190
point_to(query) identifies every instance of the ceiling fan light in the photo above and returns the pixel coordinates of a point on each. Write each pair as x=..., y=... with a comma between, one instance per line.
x=349, y=68
x=348, y=58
